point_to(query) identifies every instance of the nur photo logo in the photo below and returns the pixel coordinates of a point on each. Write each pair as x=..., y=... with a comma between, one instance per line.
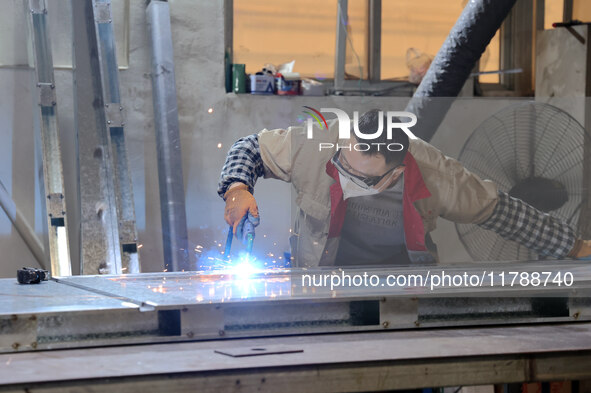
x=393, y=120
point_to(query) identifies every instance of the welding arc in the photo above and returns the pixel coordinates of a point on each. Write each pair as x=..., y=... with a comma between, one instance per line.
x=316, y=117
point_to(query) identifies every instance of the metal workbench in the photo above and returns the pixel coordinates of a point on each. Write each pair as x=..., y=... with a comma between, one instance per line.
x=353, y=338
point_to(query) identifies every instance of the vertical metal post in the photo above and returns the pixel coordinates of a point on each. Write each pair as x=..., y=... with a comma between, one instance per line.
x=53, y=180
x=341, y=44
x=540, y=14
x=584, y=224
x=228, y=41
x=375, y=39
x=107, y=54
x=567, y=13
x=522, y=37
x=108, y=240
x=170, y=175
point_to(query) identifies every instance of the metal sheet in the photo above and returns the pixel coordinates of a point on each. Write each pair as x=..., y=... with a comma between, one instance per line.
x=50, y=297
x=166, y=307
x=190, y=288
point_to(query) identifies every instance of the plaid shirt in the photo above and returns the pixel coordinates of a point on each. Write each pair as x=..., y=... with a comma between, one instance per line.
x=243, y=164
x=512, y=218
x=515, y=220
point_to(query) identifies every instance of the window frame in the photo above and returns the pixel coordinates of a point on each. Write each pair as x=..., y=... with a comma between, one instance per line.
x=526, y=15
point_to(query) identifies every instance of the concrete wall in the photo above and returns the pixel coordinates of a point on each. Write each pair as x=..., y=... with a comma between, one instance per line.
x=198, y=33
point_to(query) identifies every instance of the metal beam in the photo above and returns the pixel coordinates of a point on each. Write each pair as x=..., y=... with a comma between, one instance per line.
x=107, y=54
x=374, y=39
x=52, y=181
x=170, y=175
x=100, y=244
x=540, y=14
x=341, y=44
x=567, y=13
x=228, y=41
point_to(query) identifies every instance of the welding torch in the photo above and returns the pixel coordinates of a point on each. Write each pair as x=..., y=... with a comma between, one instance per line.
x=245, y=232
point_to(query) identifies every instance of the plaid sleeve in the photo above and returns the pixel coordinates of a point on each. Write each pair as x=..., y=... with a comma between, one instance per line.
x=515, y=220
x=243, y=164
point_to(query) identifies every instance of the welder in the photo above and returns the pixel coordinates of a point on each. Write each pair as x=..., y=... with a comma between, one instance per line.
x=377, y=207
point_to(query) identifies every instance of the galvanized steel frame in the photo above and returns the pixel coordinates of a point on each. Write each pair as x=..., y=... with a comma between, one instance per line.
x=108, y=230
x=52, y=181
x=170, y=307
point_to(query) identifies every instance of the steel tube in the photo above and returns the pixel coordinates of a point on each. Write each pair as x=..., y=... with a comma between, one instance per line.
x=170, y=174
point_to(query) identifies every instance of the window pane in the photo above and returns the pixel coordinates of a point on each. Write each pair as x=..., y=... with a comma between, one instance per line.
x=491, y=60
x=582, y=10
x=419, y=24
x=281, y=31
x=553, y=11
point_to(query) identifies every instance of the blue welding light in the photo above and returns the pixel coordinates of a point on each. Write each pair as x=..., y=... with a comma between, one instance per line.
x=244, y=266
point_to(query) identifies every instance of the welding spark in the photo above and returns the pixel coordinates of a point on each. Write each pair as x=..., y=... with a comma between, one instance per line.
x=243, y=269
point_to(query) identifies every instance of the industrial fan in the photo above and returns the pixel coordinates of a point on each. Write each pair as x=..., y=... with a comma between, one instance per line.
x=534, y=152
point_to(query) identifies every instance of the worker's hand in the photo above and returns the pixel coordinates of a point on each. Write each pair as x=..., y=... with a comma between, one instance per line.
x=581, y=250
x=240, y=206
x=246, y=226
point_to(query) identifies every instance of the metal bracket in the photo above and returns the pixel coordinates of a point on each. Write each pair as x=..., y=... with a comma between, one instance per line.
x=127, y=232
x=37, y=7
x=202, y=322
x=102, y=13
x=114, y=113
x=46, y=93
x=18, y=332
x=399, y=312
x=56, y=205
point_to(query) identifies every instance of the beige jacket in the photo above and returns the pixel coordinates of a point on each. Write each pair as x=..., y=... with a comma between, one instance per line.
x=434, y=186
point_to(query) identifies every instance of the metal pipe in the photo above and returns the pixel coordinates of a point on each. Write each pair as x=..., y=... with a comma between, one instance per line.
x=22, y=227
x=341, y=44
x=170, y=174
x=456, y=58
